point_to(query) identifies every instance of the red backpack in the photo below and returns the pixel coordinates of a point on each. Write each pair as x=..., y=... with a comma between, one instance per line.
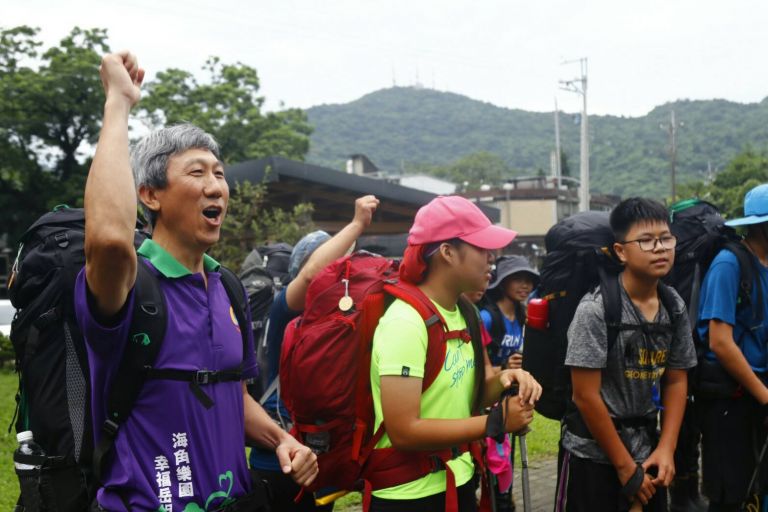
x=325, y=376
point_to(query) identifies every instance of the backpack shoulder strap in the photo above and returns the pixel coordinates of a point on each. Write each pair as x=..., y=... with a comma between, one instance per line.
x=610, y=289
x=437, y=329
x=236, y=294
x=669, y=300
x=749, y=276
x=145, y=337
x=498, y=329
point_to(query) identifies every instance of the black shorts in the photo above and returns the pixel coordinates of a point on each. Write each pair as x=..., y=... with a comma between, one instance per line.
x=588, y=486
x=434, y=503
x=731, y=439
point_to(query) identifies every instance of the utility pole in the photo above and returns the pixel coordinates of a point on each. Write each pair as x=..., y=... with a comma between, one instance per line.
x=671, y=128
x=579, y=86
x=558, y=154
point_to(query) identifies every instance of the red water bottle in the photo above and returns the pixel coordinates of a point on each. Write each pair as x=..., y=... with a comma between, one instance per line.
x=538, y=314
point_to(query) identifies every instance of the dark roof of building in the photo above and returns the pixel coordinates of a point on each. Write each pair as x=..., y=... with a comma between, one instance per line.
x=291, y=181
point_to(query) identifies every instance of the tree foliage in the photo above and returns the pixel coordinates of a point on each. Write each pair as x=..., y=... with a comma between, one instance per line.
x=747, y=170
x=249, y=224
x=229, y=107
x=629, y=155
x=51, y=104
x=47, y=111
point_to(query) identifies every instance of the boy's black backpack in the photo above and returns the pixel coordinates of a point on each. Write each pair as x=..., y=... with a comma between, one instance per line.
x=701, y=234
x=579, y=259
x=53, y=400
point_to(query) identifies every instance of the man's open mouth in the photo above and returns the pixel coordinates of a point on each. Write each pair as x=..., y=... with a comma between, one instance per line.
x=212, y=212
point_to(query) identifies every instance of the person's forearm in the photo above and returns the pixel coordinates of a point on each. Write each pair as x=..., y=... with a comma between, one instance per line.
x=259, y=427
x=492, y=388
x=436, y=434
x=595, y=415
x=733, y=361
x=675, y=395
x=333, y=249
x=110, y=193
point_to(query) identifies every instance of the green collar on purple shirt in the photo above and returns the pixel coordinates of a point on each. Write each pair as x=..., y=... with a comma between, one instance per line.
x=167, y=264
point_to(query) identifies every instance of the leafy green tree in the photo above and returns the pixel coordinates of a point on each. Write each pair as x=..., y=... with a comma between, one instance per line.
x=747, y=170
x=249, y=224
x=629, y=155
x=229, y=107
x=50, y=105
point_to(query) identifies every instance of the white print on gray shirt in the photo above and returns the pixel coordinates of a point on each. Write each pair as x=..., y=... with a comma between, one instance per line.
x=636, y=362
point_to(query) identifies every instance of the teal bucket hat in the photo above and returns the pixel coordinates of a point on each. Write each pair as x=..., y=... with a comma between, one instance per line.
x=755, y=207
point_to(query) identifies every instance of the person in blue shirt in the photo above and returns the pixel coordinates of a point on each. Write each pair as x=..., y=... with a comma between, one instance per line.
x=310, y=255
x=733, y=413
x=503, y=313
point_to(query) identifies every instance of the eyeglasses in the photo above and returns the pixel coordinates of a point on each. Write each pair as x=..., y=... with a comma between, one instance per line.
x=648, y=244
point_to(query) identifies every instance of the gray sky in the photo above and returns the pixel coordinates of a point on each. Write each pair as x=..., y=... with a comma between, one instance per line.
x=641, y=53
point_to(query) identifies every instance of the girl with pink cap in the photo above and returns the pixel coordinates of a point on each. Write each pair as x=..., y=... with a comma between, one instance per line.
x=449, y=252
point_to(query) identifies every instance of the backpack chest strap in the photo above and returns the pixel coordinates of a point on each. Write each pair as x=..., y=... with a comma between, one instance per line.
x=196, y=379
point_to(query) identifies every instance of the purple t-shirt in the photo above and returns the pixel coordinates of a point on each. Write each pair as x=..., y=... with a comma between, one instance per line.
x=172, y=453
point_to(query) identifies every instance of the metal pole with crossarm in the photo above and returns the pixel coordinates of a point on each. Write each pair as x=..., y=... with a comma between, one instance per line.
x=579, y=86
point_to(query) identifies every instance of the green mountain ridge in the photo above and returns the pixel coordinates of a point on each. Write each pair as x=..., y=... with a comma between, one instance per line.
x=400, y=127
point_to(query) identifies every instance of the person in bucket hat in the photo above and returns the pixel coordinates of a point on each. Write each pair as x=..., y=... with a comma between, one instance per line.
x=448, y=253
x=733, y=424
x=504, y=311
x=503, y=315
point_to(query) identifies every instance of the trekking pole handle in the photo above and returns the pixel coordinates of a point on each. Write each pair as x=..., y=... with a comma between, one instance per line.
x=511, y=391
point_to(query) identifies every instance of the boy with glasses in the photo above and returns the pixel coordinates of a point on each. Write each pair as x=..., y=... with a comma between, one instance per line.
x=613, y=456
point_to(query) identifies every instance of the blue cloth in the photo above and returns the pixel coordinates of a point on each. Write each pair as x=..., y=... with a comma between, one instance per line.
x=719, y=300
x=510, y=344
x=279, y=317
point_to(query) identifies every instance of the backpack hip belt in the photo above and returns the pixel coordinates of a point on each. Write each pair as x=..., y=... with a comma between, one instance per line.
x=576, y=425
x=388, y=467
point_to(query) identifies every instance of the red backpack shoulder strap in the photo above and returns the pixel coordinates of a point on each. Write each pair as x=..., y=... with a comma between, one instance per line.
x=437, y=329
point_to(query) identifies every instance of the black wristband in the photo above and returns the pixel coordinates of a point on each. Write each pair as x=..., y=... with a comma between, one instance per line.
x=634, y=483
x=494, y=424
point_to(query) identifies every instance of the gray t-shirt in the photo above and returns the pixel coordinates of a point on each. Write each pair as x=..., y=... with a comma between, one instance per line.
x=635, y=364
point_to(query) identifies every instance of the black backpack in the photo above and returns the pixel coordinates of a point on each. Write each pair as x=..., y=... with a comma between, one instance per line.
x=276, y=259
x=701, y=234
x=579, y=259
x=264, y=274
x=53, y=400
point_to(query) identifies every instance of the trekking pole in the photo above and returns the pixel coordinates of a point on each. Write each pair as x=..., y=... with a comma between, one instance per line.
x=492, y=490
x=524, y=463
x=755, y=473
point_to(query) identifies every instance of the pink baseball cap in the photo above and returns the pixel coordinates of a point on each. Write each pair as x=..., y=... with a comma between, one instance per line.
x=448, y=217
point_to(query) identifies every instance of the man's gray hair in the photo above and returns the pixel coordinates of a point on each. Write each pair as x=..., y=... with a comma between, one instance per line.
x=150, y=155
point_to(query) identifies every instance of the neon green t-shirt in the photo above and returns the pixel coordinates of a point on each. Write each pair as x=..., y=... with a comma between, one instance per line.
x=400, y=348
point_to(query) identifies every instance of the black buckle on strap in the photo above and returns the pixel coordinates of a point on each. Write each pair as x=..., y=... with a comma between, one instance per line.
x=203, y=376
x=110, y=428
x=437, y=464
